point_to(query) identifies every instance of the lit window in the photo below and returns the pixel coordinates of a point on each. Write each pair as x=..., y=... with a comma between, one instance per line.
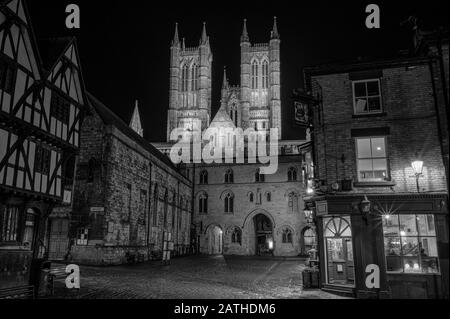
x=366, y=96
x=410, y=243
x=82, y=236
x=372, y=159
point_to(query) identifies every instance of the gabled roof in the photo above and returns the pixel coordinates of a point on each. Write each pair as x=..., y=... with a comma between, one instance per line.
x=222, y=120
x=52, y=49
x=110, y=118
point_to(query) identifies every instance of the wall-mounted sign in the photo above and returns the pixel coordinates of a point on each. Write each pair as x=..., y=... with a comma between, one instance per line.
x=301, y=114
x=97, y=209
x=321, y=208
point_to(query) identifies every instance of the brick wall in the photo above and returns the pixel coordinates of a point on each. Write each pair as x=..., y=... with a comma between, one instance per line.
x=409, y=112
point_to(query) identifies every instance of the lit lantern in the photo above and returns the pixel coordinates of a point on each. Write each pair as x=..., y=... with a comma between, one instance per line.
x=417, y=167
x=270, y=243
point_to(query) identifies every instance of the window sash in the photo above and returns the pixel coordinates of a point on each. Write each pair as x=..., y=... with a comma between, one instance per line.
x=370, y=175
x=367, y=97
x=401, y=257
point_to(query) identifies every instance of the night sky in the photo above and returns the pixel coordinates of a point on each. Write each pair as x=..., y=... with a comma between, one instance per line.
x=124, y=45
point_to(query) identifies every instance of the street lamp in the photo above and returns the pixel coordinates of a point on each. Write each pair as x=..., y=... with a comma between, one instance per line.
x=417, y=167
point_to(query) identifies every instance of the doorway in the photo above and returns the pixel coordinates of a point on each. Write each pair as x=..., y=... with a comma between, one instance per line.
x=59, y=239
x=215, y=240
x=339, y=251
x=263, y=235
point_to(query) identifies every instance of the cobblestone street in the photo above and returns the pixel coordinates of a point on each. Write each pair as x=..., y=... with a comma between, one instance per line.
x=197, y=277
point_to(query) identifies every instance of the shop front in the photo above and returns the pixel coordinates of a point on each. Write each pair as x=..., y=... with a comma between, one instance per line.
x=383, y=246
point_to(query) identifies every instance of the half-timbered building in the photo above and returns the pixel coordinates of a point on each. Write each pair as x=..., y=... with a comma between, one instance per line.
x=41, y=105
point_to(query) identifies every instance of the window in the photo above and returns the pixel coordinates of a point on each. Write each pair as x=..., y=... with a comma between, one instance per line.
x=292, y=174
x=203, y=177
x=203, y=204
x=259, y=178
x=366, y=96
x=194, y=77
x=42, y=160
x=250, y=197
x=82, y=236
x=287, y=236
x=372, y=159
x=236, y=236
x=309, y=239
x=7, y=76
x=292, y=202
x=228, y=203
x=91, y=170
x=410, y=243
x=229, y=176
x=184, y=78
x=268, y=196
x=60, y=108
x=166, y=207
x=9, y=223
x=254, y=75
x=265, y=75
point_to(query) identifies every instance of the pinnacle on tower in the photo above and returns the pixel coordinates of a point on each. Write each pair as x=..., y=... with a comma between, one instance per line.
x=274, y=34
x=135, y=122
x=183, y=45
x=225, y=81
x=176, y=39
x=244, y=36
x=204, y=38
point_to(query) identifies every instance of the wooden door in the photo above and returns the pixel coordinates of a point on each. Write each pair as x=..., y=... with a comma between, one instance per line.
x=59, y=239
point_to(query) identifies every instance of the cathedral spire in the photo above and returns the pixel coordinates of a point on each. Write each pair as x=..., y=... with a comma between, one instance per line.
x=225, y=81
x=244, y=36
x=135, y=122
x=176, y=39
x=204, y=38
x=274, y=34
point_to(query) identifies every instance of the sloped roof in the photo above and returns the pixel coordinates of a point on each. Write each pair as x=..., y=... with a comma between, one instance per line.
x=51, y=50
x=222, y=120
x=110, y=118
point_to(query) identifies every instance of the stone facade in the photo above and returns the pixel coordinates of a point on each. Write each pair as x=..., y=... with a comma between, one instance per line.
x=127, y=195
x=276, y=198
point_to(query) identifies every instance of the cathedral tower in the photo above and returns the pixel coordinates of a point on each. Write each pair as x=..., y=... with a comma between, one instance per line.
x=260, y=82
x=190, y=84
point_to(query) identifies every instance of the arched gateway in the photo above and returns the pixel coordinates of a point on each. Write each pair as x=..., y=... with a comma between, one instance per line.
x=263, y=235
x=215, y=240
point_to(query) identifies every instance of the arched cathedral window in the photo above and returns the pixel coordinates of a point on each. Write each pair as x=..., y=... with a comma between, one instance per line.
x=203, y=204
x=228, y=203
x=194, y=77
x=287, y=236
x=203, y=177
x=184, y=78
x=292, y=174
x=265, y=75
x=236, y=236
x=254, y=75
x=229, y=176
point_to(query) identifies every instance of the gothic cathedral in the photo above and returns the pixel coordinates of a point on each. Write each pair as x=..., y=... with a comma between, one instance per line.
x=254, y=104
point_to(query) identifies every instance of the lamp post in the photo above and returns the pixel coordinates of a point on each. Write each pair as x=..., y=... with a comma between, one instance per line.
x=417, y=169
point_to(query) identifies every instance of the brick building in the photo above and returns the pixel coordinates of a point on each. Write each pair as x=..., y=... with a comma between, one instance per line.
x=127, y=194
x=375, y=124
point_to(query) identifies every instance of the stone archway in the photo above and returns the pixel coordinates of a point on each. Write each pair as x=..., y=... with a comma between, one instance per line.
x=215, y=240
x=263, y=232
